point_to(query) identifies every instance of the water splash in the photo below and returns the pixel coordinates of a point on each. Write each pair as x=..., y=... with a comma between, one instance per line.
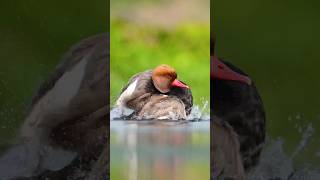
x=275, y=164
x=198, y=112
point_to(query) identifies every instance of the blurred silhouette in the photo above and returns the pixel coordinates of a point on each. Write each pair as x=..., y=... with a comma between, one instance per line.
x=65, y=134
x=236, y=101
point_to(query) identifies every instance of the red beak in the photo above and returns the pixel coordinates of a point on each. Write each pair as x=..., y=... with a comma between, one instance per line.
x=222, y=71
x=178, y=83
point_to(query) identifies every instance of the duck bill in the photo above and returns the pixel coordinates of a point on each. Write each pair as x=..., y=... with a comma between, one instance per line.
x=221, y=71
x=178, y=83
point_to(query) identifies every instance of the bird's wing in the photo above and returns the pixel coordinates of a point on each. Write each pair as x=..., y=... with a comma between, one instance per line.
x=225, y=153
x=78, y=86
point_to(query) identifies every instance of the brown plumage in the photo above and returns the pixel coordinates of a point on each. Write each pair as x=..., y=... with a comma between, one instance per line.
x=163, y=107
x=148, y=94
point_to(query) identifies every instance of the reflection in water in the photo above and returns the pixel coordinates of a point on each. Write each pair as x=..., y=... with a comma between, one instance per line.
x=144, y=150
x=132, y=153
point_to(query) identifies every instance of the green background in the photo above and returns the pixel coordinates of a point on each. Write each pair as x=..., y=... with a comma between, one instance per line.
x=140, y=45
x=136, y=49
x=277, y=43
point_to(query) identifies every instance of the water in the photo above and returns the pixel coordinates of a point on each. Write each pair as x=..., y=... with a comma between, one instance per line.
x=276, y=163
x=144, y=150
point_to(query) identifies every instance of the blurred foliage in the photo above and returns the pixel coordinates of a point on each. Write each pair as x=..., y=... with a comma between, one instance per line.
x=277, y=43
x=136, y=48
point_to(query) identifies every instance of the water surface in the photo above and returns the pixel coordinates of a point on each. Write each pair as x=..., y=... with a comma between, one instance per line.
x=151, y=149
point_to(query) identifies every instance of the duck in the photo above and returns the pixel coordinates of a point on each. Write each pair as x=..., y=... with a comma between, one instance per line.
x=66, y=128
x=156, y=94
x=236, y=101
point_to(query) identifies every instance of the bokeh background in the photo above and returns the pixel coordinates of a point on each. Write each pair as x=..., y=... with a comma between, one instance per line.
x=34, y=37
x=145, y=34
x=277, y=43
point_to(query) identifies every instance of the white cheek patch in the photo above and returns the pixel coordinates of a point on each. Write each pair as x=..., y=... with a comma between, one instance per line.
x=127, y=94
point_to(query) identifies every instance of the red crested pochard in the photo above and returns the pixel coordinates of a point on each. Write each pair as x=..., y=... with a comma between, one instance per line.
x=157, y=88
